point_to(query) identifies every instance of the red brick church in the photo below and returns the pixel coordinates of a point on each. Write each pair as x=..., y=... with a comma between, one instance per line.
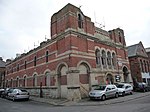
x=78, y=56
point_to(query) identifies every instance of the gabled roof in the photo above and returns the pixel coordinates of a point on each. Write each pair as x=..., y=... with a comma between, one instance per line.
x=137, y=50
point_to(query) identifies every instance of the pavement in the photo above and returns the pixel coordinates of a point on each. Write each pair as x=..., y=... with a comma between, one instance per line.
x=88, y=102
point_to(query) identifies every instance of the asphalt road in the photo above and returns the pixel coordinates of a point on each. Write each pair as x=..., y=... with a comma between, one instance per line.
x=136, y=105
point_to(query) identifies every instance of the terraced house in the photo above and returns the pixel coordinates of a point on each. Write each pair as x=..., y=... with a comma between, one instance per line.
x=78, y=56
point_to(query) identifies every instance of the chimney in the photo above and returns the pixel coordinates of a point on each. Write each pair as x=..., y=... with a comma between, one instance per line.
x=8, y=61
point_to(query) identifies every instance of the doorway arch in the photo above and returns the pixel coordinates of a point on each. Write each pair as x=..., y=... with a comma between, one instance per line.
x=62, y=80
x=109, y=79
x=84, y=79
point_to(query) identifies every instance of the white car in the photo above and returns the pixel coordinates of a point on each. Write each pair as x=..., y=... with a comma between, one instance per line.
x=124, y=88
x=104, y=91
x=17, y=94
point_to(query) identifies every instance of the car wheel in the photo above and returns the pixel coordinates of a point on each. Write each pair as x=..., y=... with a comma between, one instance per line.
x=131, y=93
x=27, y=99
x=123, y=93
x=13, y=98
x=103, y=98
x=116, y=95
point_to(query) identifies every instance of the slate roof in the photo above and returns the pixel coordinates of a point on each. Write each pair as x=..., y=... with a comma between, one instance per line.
x=132, y=50
x=137, y=50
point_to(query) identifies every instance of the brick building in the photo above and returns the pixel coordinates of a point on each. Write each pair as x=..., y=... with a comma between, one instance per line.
x=2, y=72
x=76, y=58
x=148, y=53
x=139, y=63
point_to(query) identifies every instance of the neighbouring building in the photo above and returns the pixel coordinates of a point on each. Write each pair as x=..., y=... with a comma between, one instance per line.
x=2, y=72
x=148, y=53
x=139, y=63
x=78, y=56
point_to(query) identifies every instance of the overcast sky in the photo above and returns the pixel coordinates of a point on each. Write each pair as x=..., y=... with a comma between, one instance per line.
x=24, y=23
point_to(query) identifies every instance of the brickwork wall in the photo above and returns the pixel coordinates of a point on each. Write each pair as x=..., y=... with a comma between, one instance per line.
x=69, y=47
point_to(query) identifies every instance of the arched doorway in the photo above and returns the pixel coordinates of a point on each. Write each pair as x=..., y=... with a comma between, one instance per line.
x=109, y=79
x=62, y=81
x=84, y=79
x=125, y=74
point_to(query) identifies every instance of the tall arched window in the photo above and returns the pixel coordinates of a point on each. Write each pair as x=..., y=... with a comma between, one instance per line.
x=141, y=63
x=47, y=79
x=97, y=54
x=35, y=61
x=103, y=58
x=25, y=81
x=25, y=64
x=148, y=66
x=119, y=34
x=18, y=67
x=109, y=59
x=34, y=80
x=46, y=56
x=11, y=83
x=145, y=66
x=17, y=82
x=114, y=60
x=80, y=21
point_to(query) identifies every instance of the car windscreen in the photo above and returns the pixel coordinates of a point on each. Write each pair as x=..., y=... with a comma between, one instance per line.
x=120, y=86
x=22, y=90
x=100, y=88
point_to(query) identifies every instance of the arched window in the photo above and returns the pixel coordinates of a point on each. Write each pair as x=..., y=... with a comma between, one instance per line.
x=34, y=80
x=103, y=58
x=148, y=66
x=119, y=34
x=109, y=59
x=97, y=54
x=141, y=63
x=18, y=67
x=46, y=56
x=11, y=83
x=80, y=21
x=114, y=60
x=145, y=66
x=47, y=79
x=35, y=61
x=17, y=82
x=25, y=64
x=25, y=81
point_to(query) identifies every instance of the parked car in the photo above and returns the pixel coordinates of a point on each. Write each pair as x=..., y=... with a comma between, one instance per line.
x=104, y=91
x=124, y=88
x=6, y=91
x=1, y=91
x=17, y=94
x=141, y=86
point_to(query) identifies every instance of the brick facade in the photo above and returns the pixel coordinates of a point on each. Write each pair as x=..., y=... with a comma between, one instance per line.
x=76, y=58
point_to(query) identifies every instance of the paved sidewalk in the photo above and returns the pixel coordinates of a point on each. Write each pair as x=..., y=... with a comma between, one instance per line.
x=54, y=102
x=88, y=102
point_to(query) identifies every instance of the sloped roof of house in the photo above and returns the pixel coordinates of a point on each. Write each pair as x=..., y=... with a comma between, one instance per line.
x=137, y=50
x=2, y=63
x=132, y=50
